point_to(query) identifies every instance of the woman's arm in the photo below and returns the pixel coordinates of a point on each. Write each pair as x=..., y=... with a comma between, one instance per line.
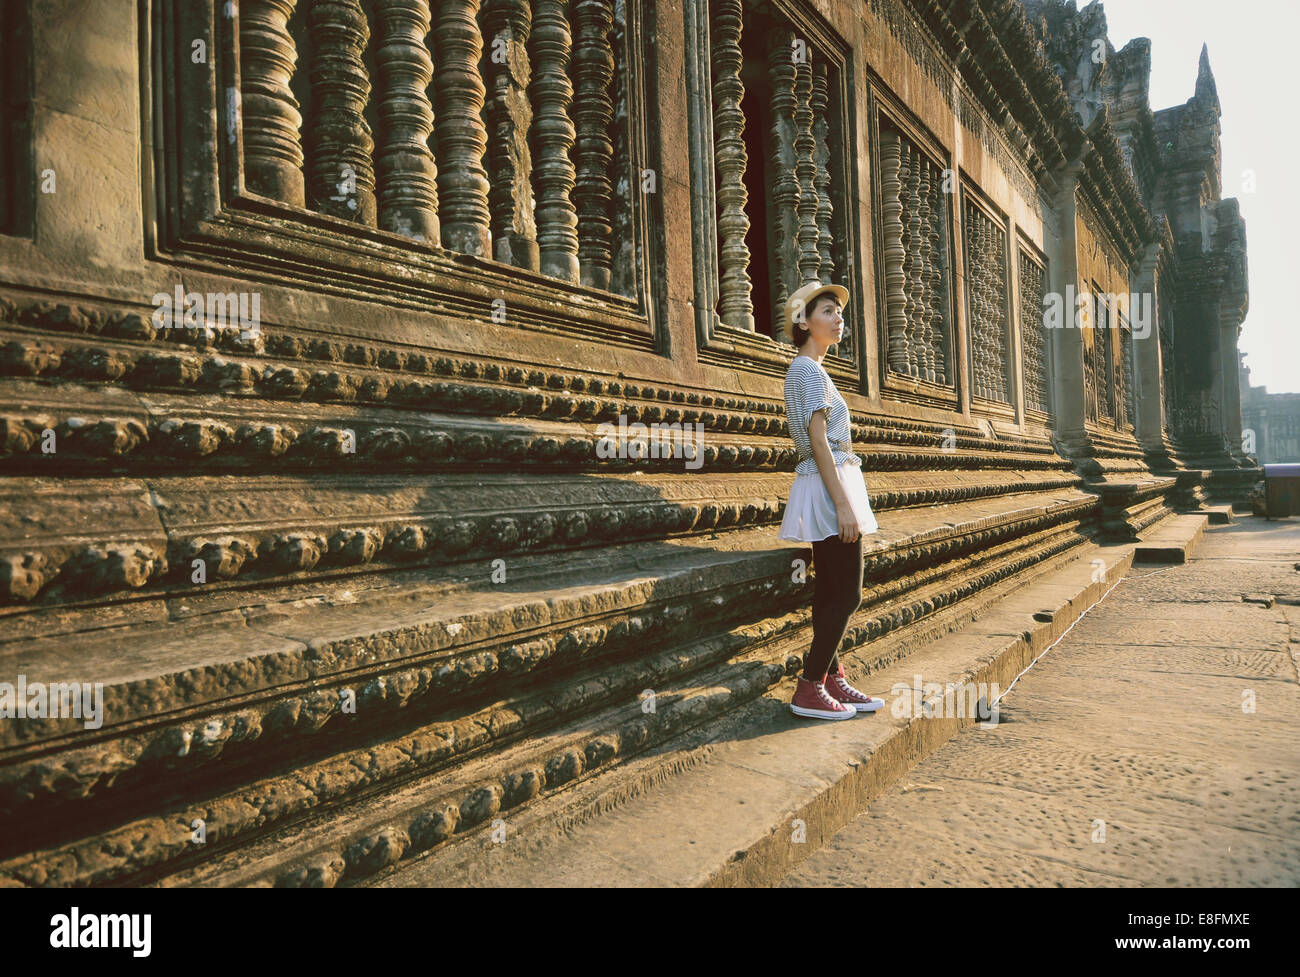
x=821, y=449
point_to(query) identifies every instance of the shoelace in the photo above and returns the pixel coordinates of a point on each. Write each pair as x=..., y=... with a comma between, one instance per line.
x=827, y=698
x=846, y=689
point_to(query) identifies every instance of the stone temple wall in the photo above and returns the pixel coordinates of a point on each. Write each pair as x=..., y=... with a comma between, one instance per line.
x=333, y=334
x=1272, y=422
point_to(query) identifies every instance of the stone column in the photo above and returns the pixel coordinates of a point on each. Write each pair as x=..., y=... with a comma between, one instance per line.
x=735, y=301
x=783, y=199
x=1065, y=343
x=821, y=135
x=405, y=169
x=1148, y=399
x=805, y=167
x=1228, y=383
x=462, y=139
x=340, y=171
x=593, y=115
x=506, y=27
x=553, y=138
x=273, y=156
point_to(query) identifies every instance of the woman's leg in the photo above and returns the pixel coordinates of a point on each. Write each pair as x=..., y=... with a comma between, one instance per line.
x=838, y=594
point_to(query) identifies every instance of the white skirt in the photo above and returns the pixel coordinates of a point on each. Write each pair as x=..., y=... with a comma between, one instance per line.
x=810, y=513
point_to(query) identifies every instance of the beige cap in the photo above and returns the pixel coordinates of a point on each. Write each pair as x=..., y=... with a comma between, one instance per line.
x=803, y=297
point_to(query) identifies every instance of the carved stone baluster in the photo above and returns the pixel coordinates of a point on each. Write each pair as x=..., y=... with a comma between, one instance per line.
x=977, y=314
x=340, y=174
x=593, y=114
x=974, y=300
x=1118, y=336
x=996, y=362
x=462, y=140
x=552, y=141
x=405, y=167
x=506, y=26
x=1090, y=367
x=917, y=327
x=927, y=294
x=1000, y=315
x=273, y=157
x=735, y=303
x=910, y=258
x=806, y=168
x=891, y=213
x=994, y=358
x=1099, y=358
x=822, y=179
x=1104, y=407
x=621, y=176
x=782, y=215
x=936, y=278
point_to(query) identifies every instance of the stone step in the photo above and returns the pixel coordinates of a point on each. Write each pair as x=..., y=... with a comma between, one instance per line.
x=74, y=428
x=1172, y=539
x=1220, y=515
x=219, y=646
x=394, y=645
x=73, y=541
x=764, y=777
x=355, y=840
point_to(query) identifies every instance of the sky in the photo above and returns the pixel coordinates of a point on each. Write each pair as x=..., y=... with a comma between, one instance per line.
x=1252, y=45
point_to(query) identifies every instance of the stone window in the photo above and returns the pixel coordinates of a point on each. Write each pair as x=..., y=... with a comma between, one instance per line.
x=1098, y=367
x=916, y=258
x=1033, y=337
x=442, y=154
x=987, y=315
x=1125, y=415
x=778, y=122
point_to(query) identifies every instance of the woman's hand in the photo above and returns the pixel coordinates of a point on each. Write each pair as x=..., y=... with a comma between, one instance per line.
x=850, y=528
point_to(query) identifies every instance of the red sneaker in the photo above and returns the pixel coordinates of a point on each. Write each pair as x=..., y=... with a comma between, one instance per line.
x=812, y=700
x=840, y=690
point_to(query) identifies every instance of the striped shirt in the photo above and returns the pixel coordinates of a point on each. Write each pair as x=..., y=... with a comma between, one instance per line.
x=808, y=388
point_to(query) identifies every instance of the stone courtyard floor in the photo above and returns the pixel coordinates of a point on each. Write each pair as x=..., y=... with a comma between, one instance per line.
x=1157, y=744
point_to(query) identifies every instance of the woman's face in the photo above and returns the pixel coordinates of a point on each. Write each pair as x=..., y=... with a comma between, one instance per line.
x=824, y=320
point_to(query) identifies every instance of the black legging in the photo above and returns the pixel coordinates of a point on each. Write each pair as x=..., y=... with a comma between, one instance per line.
x=839, y=568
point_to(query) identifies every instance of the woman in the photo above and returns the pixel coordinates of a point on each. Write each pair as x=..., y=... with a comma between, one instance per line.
x=828, y=503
